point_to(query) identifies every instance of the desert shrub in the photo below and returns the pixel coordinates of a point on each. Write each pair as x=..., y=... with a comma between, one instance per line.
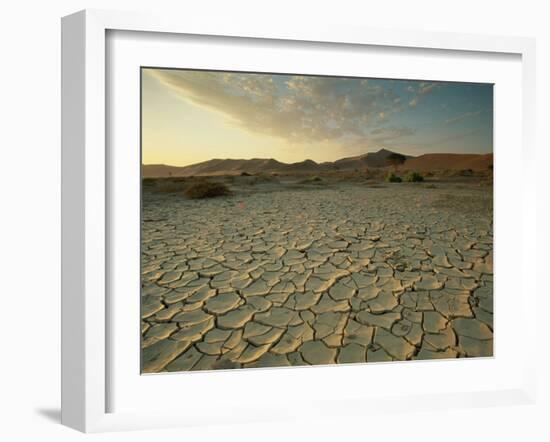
x=393, y=178
x=206, y=190
x=312, y=180
x=466, y=172
x=414, y=177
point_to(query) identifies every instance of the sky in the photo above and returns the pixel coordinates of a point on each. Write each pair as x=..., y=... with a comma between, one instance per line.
x=192, y=116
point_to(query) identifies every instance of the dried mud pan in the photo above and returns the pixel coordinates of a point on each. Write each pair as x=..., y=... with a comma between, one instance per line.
x=336, y=274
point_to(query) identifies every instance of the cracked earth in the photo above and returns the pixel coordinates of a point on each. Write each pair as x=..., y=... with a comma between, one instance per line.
x=342, y=274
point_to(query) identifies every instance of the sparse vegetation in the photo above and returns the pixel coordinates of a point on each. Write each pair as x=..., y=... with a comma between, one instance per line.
x=393, y=178
x=245, y=174
x=312, y=180
x=414, y=177
x=206, y=189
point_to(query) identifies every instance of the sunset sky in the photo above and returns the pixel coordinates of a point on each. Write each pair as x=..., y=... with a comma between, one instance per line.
x=194, y=116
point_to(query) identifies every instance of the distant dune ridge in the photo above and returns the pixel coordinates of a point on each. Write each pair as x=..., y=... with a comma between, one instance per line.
x=422, y=163
x=453, y=161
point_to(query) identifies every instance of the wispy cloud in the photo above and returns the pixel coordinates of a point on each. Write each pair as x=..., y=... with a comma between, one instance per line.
x=296, y=108
x=307, y=115
x=462, y=117
x=385, y=134
x=422, y=90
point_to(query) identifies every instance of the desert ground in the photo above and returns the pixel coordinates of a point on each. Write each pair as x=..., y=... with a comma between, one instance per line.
x=304, y=270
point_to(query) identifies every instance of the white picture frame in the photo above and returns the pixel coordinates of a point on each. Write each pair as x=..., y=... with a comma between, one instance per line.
x=86, y=212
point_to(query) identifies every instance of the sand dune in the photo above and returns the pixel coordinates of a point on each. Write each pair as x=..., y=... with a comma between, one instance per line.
x=379, y=159
x=442, y=161
x=229, y=167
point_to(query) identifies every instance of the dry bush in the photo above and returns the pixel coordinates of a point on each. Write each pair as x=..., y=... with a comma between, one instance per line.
x=393, y=178
x=206, y=189
x=414, y=177
x=315, y=179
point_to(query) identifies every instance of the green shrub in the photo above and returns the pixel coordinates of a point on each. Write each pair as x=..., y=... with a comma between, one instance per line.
x=393, y=178
x=206, y=190
x=414, y=177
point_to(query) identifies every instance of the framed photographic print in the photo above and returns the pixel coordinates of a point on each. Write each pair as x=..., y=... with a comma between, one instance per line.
x=277, y=209
x=313, y=243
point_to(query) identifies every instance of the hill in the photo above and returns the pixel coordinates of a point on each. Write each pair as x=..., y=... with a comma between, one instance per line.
x=443, y=161
x=378, y=159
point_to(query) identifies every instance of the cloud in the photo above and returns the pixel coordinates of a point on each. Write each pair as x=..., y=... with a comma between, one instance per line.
x=426, y=88
x=385, y=134
x=462, y=117
x=422, y=90
x=296, y=108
